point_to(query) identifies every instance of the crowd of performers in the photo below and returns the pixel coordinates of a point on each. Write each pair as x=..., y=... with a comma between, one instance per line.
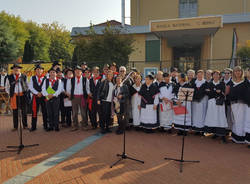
x=220, y=106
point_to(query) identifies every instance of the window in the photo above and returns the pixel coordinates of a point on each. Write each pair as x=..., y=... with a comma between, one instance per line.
x=153, y=50
x=188, y=8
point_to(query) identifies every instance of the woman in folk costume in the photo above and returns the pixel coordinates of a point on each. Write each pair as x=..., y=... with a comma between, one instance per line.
x=166, y=104
x=247, y=118
x=149, y=101
x=215, y=121
x=239, y=106
x=199, y=104
x=69, y=74
x=135, y=101
x=179, y=115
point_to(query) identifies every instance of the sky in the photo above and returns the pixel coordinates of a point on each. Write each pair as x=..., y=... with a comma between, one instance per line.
x=71, y=13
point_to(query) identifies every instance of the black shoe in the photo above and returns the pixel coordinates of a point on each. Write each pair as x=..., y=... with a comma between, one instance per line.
x=137, y=129
x=57, y=129
x=118, y=132
x=180, y=132
x=49, y=129
x=223, y=138
x=32, y=129
x=103, y=132
x=149, y=131
x=108, y=131
x=169, y=131
x=214, y=136
x=197, y=133
x=248, y=146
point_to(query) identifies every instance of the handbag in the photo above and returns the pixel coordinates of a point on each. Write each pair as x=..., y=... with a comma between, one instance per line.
x=219, y=101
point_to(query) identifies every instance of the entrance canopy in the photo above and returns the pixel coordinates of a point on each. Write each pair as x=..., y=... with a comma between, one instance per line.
x=186, y=31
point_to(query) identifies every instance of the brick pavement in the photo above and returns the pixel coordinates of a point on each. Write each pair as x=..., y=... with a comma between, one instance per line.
x=220, y=163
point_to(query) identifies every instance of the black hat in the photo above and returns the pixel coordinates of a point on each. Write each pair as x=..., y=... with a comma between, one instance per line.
x=165, y=74
x=67, y=69
x=51, y=69
x=87, y=69
x=16, y=66
x=78, y=68
x=58, y=70
x=150, y=77
x=173, y=69
x=183, y=75
x=56, y=63
x=38, y=66
x=83, y=63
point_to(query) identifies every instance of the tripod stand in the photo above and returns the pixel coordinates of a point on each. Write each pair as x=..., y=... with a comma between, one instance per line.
x=21, y=146
x=124, y=155
x=187, y=94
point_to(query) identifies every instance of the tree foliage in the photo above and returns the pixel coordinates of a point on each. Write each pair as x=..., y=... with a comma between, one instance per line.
x=109, y=47
x=244, y=54
x=8, y=45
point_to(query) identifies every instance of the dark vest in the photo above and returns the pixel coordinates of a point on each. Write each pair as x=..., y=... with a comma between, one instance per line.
x=84, y=80
x=36, y=86
x=55, y=86
x=12, y=82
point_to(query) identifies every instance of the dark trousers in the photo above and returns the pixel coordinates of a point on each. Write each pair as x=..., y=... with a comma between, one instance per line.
x=105, y=115
x=22, y=106
x=62, y=108
x=68, y=113
x=39, y=101
x=53, y=112
x=93, y=113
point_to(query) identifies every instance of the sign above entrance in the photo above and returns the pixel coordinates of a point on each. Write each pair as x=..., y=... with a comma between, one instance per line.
x=185, y=23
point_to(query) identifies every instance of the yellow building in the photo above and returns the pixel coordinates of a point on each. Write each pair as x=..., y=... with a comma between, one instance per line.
x=185, y=33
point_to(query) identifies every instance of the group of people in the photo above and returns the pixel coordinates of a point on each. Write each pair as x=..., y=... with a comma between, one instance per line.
x=220, y=105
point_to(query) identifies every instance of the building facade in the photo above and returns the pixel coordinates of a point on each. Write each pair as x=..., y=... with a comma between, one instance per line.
x=185, y=33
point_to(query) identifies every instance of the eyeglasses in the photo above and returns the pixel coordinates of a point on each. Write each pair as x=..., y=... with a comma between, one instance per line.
x=227, y=73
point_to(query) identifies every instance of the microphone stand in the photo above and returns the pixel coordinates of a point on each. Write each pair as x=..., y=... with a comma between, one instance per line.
x=21, y=146
x=181, y=160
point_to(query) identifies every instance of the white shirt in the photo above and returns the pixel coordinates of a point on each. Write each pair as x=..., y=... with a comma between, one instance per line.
x=31, y=87
x=78, y=87
x=2, y=80
x=111, y=88
x=18, y=88
x=166, y=92
x=199, y=82
x=58, y=91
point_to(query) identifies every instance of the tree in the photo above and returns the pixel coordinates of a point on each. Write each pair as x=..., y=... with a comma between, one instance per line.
x=8, y=46
x=19, y=31
x=111, y=46
x=244, y=54
x=28, y=54
x=39, y=40
x=60, y=46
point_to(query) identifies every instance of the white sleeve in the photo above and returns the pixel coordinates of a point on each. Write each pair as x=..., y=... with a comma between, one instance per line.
x=31, y=87
x=68, y=86
x=138, y=100
x=7, y=86
x=44, y=91
x=156, y=100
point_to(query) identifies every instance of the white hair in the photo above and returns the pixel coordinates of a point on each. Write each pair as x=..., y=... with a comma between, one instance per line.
x=122, y=67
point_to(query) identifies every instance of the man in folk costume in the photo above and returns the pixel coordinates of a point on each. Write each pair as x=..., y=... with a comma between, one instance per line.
x=199, y=104
x=105, y=71
x=149, y=101
x=94, y=84
x=69, y=74
x=227, y=79
x=158, y=80
x=104, y=99
x=121, y=95
x=174, y=75
x=35, y=86
x=215, y=121
x=16, y=87
x=51, y=89
x=3, y=78
x=79, y=93
x=113, y=67
x=166, y=104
